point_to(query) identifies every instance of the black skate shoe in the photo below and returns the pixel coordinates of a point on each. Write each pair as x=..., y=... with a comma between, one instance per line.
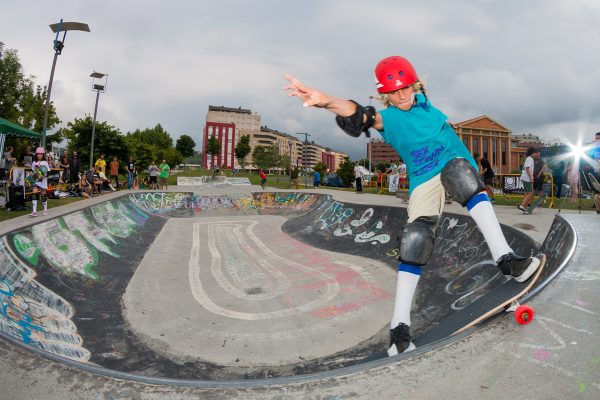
x=400, y=340
x=520, y=268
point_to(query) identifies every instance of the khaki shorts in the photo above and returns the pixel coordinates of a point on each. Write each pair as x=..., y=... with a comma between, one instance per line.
x=427, y=200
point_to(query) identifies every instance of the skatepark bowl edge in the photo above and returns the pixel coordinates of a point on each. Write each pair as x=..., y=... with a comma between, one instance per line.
x=238, y=290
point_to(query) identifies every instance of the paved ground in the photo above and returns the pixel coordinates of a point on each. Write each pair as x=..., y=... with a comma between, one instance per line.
x=556, y=356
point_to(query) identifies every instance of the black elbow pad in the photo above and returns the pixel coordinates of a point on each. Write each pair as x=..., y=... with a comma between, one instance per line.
x=356, y=123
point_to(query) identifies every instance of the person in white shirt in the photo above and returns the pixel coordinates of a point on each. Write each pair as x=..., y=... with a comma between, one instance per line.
x=393, y=178
x=527, y=178
x=358, y=176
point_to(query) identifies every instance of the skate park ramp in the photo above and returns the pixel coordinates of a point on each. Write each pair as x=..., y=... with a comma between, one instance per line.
x=184, y=287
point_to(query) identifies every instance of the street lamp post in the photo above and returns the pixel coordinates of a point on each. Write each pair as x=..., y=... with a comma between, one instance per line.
x=98, y=88
x=58, y=47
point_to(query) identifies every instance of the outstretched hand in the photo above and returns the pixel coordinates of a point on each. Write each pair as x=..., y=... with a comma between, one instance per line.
x=310, y=97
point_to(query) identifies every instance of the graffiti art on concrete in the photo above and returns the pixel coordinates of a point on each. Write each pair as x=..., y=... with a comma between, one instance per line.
x=31, y=313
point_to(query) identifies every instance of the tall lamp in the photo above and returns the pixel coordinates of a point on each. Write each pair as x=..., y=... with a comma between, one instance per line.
x=98, y=88
x=58, y=47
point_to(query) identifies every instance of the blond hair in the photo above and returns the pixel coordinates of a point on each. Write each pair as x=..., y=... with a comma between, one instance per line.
x=418, y=86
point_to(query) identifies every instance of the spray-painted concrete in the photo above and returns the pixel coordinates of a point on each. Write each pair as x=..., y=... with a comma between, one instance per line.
x=147, y=216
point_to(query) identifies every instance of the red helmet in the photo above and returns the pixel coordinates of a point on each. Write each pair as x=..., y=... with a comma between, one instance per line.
x=393, y=73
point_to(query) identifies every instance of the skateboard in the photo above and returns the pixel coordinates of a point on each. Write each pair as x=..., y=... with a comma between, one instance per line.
x=36, y=175
x=502, y=298
x=536, y=203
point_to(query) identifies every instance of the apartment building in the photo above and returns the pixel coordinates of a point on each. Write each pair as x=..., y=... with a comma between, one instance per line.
x=226, y=123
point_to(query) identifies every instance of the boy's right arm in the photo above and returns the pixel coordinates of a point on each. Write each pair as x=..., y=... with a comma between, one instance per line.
x=315, y=98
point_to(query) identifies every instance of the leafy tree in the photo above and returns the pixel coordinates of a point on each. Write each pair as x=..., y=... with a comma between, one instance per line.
x=242, y=149
x=213, y=147
x=262, y=157
x=20, y=100
x=346, y=171
x=381, y=166
x=172, y=156
x=108, y=140
x=185, y=146
x=274, y=157
x=285, y=162
x=156, y=136
x=11, y=83
x=321, y=168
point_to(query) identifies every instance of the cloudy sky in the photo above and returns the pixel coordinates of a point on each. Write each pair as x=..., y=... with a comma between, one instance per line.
x=533, y=66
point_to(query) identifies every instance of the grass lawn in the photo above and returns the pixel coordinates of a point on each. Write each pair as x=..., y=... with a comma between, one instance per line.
x=6, y=215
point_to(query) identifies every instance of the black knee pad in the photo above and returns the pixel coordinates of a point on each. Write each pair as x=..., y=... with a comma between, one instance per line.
x=461, y=181
x=417, y=240
x=44, y=198
x=35, y=196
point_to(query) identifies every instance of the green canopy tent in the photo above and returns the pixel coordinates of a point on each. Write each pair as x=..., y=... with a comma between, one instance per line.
x=10, y=129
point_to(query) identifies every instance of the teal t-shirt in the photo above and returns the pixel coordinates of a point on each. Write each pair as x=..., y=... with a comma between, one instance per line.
x=423, y=139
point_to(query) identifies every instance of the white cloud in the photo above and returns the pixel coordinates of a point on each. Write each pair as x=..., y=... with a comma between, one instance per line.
x=532, y=66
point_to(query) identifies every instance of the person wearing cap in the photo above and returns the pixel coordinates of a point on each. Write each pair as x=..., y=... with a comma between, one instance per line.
x=436, y=160
x=40, y=167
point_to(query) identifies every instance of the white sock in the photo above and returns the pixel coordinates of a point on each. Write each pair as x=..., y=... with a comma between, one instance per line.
x=45, y=205
x=482, y=211
x=34, y=205
x=405, y=291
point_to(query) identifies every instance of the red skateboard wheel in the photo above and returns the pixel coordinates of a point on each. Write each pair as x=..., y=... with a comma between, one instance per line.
x=524, y=314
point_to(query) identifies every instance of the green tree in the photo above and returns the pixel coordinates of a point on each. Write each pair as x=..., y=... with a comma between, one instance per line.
x=21, y=101
x=172, y=156
x=213, y=147
x=156, y=137
x=11, y=83
x=321, y=168
x=185, y=146
x=242, y=149
x=381, y=166
x=262, y=157
x=108, y=140
x=346, y=171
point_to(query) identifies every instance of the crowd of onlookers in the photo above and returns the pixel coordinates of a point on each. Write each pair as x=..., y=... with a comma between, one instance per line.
x=79, y=179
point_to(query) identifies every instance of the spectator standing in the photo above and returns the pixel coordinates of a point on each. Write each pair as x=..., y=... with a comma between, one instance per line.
x=539, y=167
x=558, y=172
x=9, y=161
x=317, y=179
x=114, y=171
x=393, y=178
x=165, y=171
x=64, y=164
x=358, y=178
x=527, y=178
x=402, y=175
x=153, y=172
x=101, y=165
x=487, y=173
x=74, y=169
x=131, y=172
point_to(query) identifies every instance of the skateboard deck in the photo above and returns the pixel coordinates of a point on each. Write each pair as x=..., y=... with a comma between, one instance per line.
x=498, y=299
x=35, y=175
